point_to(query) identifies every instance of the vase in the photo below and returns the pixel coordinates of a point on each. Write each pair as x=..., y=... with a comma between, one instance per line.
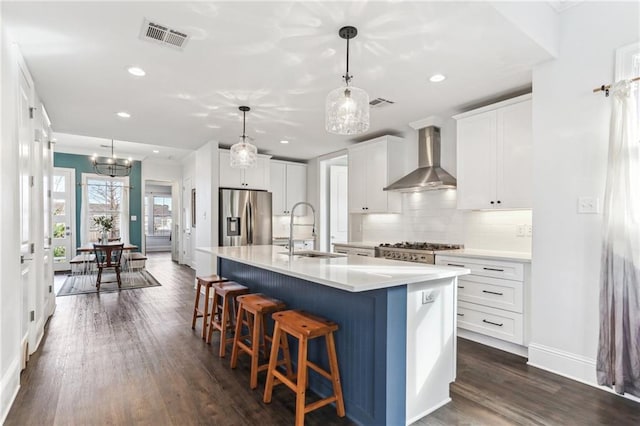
x=105, y=237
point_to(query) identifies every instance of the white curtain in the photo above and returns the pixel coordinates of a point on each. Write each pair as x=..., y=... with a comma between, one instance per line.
x=84, y=211
x=124, y=213
x=618, y=363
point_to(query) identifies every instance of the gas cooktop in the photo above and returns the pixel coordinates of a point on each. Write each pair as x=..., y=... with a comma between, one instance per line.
x=420, y=252
x=421, y=246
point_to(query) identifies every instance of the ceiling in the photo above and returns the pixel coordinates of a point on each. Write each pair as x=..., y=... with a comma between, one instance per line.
x=279, y=58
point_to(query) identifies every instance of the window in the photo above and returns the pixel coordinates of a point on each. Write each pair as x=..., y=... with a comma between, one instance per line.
x=104, y=199
x=158, y=221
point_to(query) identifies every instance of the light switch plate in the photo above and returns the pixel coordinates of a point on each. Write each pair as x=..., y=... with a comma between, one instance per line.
x=134, y=218
x=588, y=205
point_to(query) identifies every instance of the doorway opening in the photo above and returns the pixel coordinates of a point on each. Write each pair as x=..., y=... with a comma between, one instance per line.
x=334, y=211
x=158, y=216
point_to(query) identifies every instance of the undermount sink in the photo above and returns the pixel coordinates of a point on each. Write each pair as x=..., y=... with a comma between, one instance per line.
x=314, y=253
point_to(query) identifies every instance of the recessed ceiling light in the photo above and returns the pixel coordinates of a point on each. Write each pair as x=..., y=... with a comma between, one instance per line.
x=284, y=141
x=437, y=78
x=123, y=114
x=138, y=72
x=155, y=151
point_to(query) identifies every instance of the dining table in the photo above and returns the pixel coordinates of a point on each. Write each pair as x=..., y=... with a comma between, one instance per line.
x=85, y=248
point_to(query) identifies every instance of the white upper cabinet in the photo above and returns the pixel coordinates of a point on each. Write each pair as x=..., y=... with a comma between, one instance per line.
x=495, y=156
x=288, y=186
x=372, y=166
x=251, y=178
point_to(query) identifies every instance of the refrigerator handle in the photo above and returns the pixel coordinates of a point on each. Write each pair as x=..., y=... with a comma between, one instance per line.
x=249, y=223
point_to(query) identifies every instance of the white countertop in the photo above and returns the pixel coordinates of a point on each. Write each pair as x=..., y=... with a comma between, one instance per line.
x=350, y=273
x=489, y=254
x=358, y=244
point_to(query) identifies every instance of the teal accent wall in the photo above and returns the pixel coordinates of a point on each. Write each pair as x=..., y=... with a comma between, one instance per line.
x=82, y=164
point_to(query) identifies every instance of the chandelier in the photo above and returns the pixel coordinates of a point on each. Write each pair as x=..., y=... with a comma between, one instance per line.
x=347, y=107
x=111, y=166
x=243, y=154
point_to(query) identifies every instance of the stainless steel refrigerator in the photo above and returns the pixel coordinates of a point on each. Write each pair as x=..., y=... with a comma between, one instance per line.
x=245, y=217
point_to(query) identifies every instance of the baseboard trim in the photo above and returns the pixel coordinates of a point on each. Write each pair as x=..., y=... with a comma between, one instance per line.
x=493, y=342
x=569, y=365
x=9, y=385
x=427, y=412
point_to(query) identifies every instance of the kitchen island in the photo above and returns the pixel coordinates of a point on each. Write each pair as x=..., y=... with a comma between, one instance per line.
x=396, y=342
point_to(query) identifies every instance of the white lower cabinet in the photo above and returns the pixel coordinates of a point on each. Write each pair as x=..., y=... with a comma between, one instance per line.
x=492, y=299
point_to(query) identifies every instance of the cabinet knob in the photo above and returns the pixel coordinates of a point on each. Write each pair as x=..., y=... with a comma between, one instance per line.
x=492, y=202
x=498, y=201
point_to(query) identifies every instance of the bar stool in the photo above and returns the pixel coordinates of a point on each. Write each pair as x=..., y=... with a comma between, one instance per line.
x=224, y=294
x=207, y=282
x=304, y=327
x=255, y=307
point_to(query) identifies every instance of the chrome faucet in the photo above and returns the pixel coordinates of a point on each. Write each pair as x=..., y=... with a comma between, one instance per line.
x=291, y=225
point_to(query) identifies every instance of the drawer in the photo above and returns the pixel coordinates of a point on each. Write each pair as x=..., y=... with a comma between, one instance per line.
x=485, y=267
x=492, y=292
x=492, y=322
x=363, y=252
x=353, y=251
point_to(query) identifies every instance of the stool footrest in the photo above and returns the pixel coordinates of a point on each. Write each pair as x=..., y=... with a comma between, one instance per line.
x=284, y=380
x=319, y=369
x=321, y=403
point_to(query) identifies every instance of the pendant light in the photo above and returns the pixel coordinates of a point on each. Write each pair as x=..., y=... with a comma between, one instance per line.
x=111, y=166
x=243, y=154
x=347, y=108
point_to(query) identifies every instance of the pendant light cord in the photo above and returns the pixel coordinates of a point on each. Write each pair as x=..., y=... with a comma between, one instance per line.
x=347, y=77
x=244, y=123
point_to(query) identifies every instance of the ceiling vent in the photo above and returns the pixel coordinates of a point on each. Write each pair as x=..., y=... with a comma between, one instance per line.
x=161, y=34
x=380, y=102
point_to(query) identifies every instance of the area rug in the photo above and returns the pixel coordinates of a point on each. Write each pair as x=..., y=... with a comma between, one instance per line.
x=86, y=284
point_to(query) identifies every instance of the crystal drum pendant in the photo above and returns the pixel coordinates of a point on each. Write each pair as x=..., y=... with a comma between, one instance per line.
x=347, y=111
x=243, y=154
x=347, y=108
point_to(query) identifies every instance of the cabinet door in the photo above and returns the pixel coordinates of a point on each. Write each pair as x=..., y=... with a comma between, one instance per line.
x=477, y=161
x=357, y=180
x=257, y=177
x=229, y=177
x=514, y=178
x=278, y=176
x=376, y=178
x=296, y=188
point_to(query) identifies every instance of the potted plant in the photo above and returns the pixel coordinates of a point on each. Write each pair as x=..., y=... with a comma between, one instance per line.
x=105, y=225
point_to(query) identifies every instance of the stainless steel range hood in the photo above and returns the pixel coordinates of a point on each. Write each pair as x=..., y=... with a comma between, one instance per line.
x=429, y=175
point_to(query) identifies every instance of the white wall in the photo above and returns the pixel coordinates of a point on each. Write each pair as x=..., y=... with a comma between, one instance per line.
x=207, y=183
x=10, y=293
x=570, y=131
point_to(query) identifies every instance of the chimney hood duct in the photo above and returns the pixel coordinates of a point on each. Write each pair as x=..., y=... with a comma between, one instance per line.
x=429, y=175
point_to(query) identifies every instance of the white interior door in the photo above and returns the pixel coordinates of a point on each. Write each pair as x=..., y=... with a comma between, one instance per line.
x=187, y=186
x=27, y=247
x=63, y=212
x=338, y=205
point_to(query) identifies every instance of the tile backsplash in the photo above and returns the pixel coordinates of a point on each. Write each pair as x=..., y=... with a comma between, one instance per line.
x=432, y=216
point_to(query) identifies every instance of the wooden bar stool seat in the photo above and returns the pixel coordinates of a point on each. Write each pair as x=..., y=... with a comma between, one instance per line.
x=304, y=326
x=222, y=317
x=206, y=282
x=254, y=307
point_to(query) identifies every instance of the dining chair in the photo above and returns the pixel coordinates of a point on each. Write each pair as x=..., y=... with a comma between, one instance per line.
x=108, y=256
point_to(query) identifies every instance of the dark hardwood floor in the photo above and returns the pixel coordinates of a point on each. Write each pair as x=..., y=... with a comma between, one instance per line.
x=132, y=358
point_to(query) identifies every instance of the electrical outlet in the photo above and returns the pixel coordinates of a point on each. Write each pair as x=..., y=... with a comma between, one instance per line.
x=588, y=205
x=427, y=297
x=529, y=230
x=520, y=230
